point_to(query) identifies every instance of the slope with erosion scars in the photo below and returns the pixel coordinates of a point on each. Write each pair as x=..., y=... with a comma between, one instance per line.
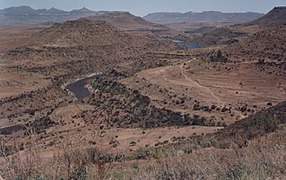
x=167, y=88
x=64, y=52
x=236, y=89
x=196, y=82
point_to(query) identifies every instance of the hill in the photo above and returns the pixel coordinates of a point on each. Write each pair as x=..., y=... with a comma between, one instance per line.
x=275, y=17
x=233, y=33
x=266, y=46
x=62, y=53
x=26, y=15
x=81, y=32
x=216, y=36
x=129, y=22
x=85, y=39
x=206, y=16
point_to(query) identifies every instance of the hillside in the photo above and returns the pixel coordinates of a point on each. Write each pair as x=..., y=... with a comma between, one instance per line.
x=232, y=34
x=73, y=49
x=276, y=17
x=74, y=41
x=216, y=36
x=111, y=97
x=267, y=46
x=81, y=32
x=206, y=16
x=239, y=151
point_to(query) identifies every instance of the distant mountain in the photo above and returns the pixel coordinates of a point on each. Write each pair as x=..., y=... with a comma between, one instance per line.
x=206, y=16
x=127, y=21
x=231, y=34
x=275, y=17
x=27, y=15
x=124, y=20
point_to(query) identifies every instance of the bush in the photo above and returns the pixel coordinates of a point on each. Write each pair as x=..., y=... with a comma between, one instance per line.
x=235, y=172
x=79, y=173
x=188, y=149
x=142, y=153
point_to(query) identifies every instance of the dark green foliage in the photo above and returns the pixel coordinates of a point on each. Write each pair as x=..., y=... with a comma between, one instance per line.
x=128, y=108
x=243, y=109
x=196, y=107
x=260, y=122
x=39, y=125
x=199, y=121
x=252, y=127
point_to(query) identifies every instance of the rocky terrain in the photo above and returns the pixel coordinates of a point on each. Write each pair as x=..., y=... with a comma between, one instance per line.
x=271, y=19
x=152, y=109
x=264, y=47
x=91, y=46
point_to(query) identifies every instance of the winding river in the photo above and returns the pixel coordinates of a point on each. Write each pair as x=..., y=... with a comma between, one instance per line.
x=79, y=89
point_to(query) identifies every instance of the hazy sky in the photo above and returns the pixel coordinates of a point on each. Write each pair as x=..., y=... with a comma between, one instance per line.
x=143, y=7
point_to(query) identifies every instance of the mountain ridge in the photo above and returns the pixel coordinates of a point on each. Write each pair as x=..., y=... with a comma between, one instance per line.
x=205, y=16
x=19, y=15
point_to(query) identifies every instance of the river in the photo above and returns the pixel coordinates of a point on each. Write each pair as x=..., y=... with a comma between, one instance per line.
x=186, y=44
x=79, y=89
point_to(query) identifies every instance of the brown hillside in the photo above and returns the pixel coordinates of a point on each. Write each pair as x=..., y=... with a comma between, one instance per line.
x=95, y=42
x=267, y=45
x=86, y=39
x=127, y=21
x=81, y=32
x=275, y=17
x=222, y=35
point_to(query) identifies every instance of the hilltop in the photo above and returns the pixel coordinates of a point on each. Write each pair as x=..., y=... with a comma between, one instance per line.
x=82, y=32
x=126, y=21
x=276, y=17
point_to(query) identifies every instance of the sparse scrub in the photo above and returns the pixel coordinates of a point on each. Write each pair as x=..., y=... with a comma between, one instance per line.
x=265, y=162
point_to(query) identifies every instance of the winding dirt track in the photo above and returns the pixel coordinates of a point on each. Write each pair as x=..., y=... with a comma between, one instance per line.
x=199, y=85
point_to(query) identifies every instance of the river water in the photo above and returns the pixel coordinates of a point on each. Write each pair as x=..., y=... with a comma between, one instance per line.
x=186, y=44
x=78, y=87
